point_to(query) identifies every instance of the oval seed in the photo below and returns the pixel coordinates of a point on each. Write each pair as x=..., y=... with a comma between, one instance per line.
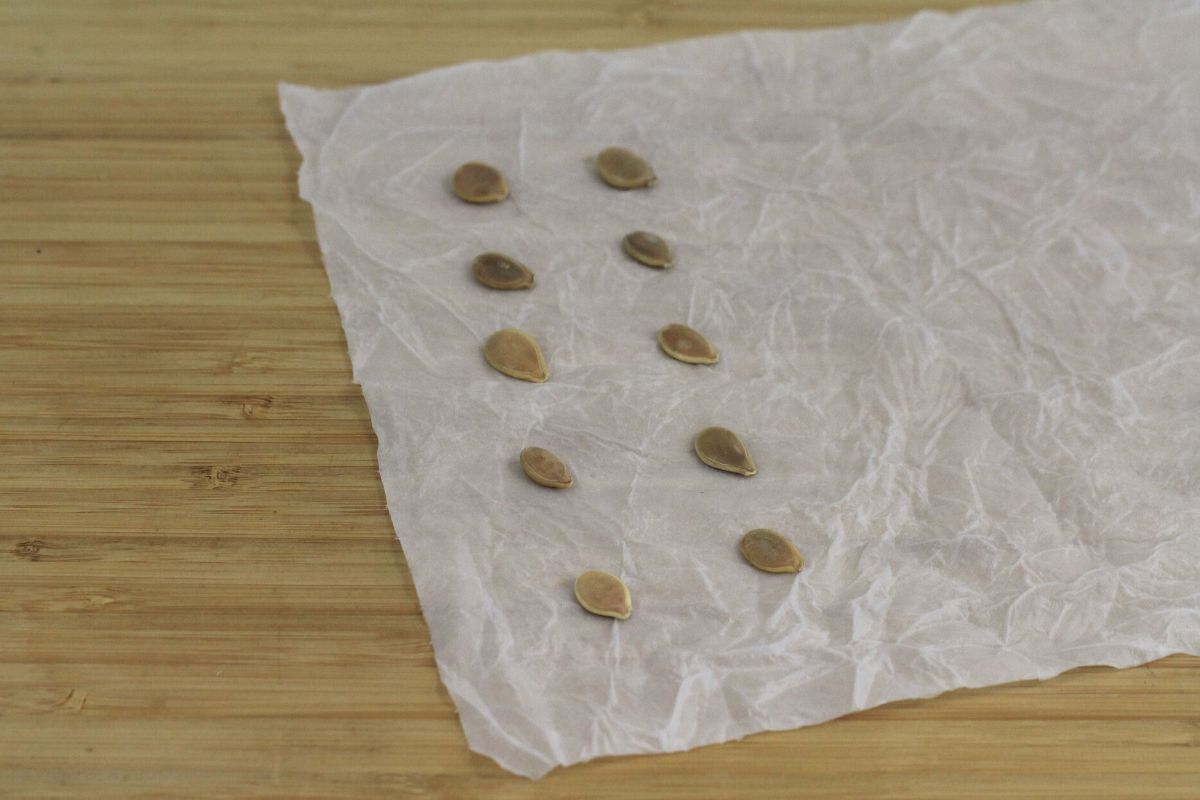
x=623, y=169
x=603, y=594
x=498, y=271
x=646, y=248
x=476, y=182
x=770, y=552
x=516, y=354
x=721, y=448
x=687, y=345
x=545, y=468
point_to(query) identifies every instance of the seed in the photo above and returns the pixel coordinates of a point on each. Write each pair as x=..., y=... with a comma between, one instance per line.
x=721, y=448
x=770, y=552
x=476, y=182
x=622, y=169
x=603, y=594
x=684, y=344
x=648, y=249
x=545, y=468
x=498, y=271
x=516, y=354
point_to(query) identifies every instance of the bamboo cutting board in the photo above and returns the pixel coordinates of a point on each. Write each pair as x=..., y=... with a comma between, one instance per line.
x=200, y=591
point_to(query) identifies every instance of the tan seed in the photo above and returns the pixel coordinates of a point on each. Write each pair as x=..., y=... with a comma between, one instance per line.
x=545, y=468
x=721, y=448
x=646, y=248
x=770, y=552
x=623, y=169
x=603, y=594
x=684, y=344
x=498, y=271
x=516, y=354
x=476, y=182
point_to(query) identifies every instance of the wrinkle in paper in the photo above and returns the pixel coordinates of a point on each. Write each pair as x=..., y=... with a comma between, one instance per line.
x=951, y=265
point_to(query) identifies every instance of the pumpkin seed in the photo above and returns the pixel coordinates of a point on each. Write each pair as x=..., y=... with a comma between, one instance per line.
x=770, y=552
x=516, y=354
x=623, y=169
x=545, y=468
x=476, y=182
x=499, y=271
x=646, y=248
x=687, y=345
x=603, y=594
x=721, y=448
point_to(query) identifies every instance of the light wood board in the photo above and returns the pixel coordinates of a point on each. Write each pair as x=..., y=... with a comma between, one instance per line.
x=200, y=592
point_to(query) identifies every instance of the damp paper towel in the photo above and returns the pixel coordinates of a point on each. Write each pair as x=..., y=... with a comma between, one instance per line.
x=952, y=266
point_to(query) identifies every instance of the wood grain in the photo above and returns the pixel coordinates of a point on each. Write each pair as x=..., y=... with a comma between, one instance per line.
x=200, y=592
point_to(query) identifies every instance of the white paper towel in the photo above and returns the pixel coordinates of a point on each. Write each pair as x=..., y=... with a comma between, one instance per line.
x=953, y=269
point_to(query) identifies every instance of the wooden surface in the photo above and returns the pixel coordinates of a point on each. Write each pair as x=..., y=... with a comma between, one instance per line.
x=200, y=593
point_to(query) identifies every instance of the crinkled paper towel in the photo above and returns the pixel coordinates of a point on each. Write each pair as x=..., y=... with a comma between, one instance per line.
x=952, y=266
